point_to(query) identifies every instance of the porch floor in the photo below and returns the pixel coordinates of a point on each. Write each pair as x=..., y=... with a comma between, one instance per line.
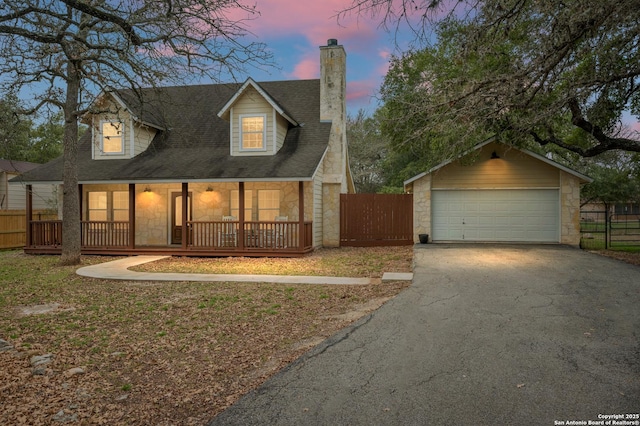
x=175, y=251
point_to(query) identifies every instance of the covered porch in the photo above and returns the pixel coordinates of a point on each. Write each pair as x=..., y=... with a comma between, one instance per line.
x=257, y=219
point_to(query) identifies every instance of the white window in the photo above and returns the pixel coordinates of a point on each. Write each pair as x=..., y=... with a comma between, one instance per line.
x=112, y=137
x=120, y=204
x=98, y=205
x=268, y=204
x=107, y=206
x=253, y=132
x=248, y=204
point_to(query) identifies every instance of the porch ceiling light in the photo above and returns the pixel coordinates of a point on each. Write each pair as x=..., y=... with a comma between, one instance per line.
x=209, y=188
x=494, y=155
x=147, y=189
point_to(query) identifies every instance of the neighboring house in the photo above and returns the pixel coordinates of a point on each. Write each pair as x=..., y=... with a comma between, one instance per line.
x=497, y=193
x=227, y=169
x=13, y=195
x=594, y=211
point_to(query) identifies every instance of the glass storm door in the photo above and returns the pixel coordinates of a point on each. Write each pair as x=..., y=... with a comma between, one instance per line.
x=176, y=216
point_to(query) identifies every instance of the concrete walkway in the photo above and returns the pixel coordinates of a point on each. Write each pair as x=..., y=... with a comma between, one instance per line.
x=119, y=270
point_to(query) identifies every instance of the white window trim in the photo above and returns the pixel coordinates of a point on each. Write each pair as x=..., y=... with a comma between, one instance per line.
x=109, y=205
x=261, y=208
x=123, y=136
x=241, y=133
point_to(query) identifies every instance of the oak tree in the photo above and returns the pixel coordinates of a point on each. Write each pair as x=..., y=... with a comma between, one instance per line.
x=60, y=54
x=542, y=72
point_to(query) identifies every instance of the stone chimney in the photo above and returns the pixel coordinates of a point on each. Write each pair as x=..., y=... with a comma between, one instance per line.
x=333, y=109
x=333, y=81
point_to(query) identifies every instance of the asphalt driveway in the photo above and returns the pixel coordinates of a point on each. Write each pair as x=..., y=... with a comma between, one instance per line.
x=486, y=334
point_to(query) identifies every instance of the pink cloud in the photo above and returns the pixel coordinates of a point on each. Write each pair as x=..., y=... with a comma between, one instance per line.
x=307, y=25
x=361, y=93
x=635, y=126
x=315, y=21
x=305, y=69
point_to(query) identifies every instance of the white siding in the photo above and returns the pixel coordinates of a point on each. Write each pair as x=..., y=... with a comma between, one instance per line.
x=137, y=137
x=43, y=196
x=251, y=103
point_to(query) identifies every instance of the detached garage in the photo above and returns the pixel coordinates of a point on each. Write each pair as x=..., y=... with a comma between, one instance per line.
x=498, y=193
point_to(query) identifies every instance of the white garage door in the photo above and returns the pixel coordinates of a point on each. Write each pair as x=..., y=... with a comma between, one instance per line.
x=530, y=215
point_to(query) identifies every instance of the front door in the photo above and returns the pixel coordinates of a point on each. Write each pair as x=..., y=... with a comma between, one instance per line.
x=176, y=216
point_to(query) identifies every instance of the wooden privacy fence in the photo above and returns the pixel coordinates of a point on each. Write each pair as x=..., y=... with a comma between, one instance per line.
x=13, y=226
x=376, y=220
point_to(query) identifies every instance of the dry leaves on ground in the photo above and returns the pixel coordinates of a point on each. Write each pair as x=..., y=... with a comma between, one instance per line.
x=140, y=353
x=628, y=257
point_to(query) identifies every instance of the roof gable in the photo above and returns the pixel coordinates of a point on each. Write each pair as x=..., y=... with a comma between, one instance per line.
x=580, y=176
x=224, y=112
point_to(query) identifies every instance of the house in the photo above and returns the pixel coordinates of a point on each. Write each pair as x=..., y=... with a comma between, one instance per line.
x=251, y=169
x=13, y=195
x=498, y=193
x=599, y=211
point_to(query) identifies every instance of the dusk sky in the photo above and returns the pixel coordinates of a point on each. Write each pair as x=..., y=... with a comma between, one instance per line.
x=293, y=30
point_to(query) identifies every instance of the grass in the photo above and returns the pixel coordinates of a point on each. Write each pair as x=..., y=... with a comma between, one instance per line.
x=183, y=350
x=597, y=242
x=348, y=262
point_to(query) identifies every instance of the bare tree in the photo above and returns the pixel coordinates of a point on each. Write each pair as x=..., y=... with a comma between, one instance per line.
x=63, y=53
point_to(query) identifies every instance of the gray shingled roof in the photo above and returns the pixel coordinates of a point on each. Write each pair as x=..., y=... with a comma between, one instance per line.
x=12, y=166
x=195, y=144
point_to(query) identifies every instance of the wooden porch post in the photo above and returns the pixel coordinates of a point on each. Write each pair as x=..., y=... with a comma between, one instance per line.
x=80, y=200
x=132, y=215
x=80, y=210
x=301, y=216
x=29, y=217
x=241, y=215
x=185, y=203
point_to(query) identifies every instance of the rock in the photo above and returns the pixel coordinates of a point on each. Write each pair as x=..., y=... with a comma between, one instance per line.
x=39, y=371
x=62, y=417
x=74, y=371
x=5, y=346
x=82, y=394
x=40, y=360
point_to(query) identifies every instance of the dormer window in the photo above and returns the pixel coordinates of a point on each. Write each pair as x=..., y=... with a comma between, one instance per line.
x=253, y=132
x=112, y=137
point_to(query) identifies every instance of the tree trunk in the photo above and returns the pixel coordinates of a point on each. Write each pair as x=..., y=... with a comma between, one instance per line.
x=70, y=200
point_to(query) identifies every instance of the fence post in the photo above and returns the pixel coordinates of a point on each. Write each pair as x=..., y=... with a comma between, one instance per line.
x=607, y=224
x=29, y=217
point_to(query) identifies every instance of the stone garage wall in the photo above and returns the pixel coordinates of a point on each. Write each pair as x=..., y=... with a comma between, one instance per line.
x=570, y=209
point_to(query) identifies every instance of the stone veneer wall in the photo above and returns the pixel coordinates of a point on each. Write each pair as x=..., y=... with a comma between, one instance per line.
x=422, y=207
x=331, y=215
x=570, y=209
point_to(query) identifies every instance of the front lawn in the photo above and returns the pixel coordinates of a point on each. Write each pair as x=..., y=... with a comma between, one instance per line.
x=141, y=353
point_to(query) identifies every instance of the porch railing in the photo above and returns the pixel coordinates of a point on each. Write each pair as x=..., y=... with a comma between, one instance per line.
x=46, y=233
x=257, y=235
x=214, y=235
x=105, y=234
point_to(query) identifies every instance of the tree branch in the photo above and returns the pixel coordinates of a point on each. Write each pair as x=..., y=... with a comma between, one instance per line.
x=105, y=16
x=604, y=142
